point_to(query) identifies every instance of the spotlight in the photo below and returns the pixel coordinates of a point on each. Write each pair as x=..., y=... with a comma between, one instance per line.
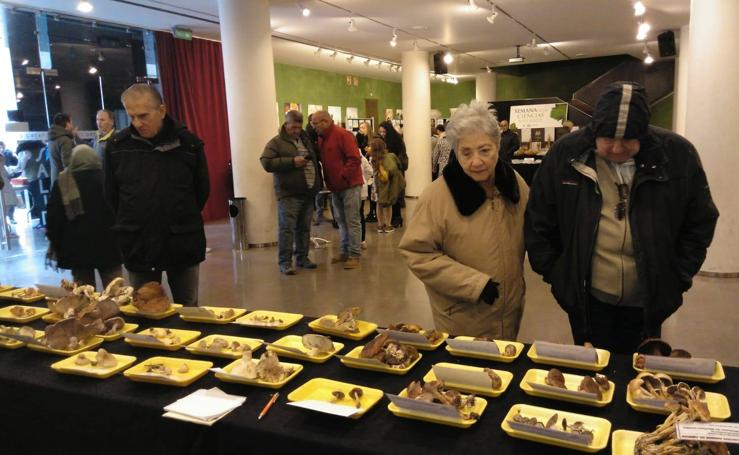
x=648, y=59
x=84, y=7
x=532, y=43
x=367, y=62
x=394, y=40
x=493, y=14
x=57, y=87
x=644, y=28
x=92, y=70
x=472, y=6
x=350, y=59
x=303, y=10
x=448, y=58
x=100, y=57
x=24, y=62
x=19, y=96
x=489, y=69
x=639, y=9
x=352, y=27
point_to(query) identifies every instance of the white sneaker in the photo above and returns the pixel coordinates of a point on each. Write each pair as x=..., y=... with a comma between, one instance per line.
x=364, y=244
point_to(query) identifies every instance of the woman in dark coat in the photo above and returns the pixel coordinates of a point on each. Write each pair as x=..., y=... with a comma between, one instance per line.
x=395, y=144
x=79, y=221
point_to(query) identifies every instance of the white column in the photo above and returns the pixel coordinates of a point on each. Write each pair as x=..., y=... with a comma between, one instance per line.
x=416, y=116
x=485, y=87
x=248, y=68
x=713, y=116
x=680, y=101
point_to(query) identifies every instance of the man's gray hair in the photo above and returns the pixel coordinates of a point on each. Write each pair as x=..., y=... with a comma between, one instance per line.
x=472, y=117
x=110, y=113
x=294, y=116
x=142, y=90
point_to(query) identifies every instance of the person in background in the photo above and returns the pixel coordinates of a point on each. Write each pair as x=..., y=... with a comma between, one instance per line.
x=395, y=144
x=34, y=166
x=11, y=163
x=363, y=137
x=156, y=181
x=367, y=175
x=441, y=154
x=10, y=199
x=390, y=183
x=293, y=161
x=80, y=222
x=434, y=138
x=61, y=142
x=342, y=171
x=106, y=129
x=465, y=239
x=509, y=142
x=320, y=199
x=619, y=221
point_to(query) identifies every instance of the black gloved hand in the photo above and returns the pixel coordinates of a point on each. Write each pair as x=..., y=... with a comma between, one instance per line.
x=490, y=293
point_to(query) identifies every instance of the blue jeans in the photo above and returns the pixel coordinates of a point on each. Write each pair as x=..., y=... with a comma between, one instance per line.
x=346, y=211
x=294, y=215
x=182, y=282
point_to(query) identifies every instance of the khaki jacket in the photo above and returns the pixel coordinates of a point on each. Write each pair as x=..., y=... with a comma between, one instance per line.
x=455, y=255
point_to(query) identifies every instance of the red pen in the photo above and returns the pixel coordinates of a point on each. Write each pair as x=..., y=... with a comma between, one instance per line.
x=268, y=405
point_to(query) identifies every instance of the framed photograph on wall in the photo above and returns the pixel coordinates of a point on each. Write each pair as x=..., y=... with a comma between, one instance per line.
x=313, y=108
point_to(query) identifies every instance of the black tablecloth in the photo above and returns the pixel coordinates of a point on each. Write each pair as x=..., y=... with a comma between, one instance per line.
x=527, y=170
x=41, y=410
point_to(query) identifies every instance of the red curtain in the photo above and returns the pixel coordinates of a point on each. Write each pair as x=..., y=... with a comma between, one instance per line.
x=191, y=74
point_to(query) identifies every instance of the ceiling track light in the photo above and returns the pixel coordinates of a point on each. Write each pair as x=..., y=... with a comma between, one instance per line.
x=350, y=59
x=317, y=52
x=532, y=43
x=334, y=54
x=352, y=26
x=448, y=58
x=92, y=70
x=489, y=69
x=367, y=62
x=24, y=62
x=648, y=59
x=639, y=9
x=644, y=29
x=84, y=7
x=394, y=39
x=493, y=14
x=303, y=10
x=471, y=5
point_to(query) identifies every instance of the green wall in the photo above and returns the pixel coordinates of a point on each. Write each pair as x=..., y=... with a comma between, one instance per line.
x=309, y=86
x=662, y=112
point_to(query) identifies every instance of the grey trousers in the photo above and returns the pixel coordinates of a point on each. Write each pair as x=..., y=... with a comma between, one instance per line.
x=346, y=210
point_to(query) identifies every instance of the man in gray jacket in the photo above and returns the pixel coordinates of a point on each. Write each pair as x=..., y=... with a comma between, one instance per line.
x=61, y=143
x=292, y=159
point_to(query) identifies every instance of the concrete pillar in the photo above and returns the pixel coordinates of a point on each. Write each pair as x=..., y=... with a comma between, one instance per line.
x=251, y=98
x=680, y=101
x=713, y=115
x=416, y=115
x=485, y=87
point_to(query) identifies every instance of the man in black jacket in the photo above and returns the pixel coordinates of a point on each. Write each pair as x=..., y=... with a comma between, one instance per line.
x=509, y=142
x=292, y=159
x=156, y=181
x=618, y=222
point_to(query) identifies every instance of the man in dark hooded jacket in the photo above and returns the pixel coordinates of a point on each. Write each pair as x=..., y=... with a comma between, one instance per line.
x=156, y=182
x=61, y=142
x=618, y=222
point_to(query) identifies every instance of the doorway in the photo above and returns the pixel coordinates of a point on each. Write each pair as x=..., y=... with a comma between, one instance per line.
x=370, y=110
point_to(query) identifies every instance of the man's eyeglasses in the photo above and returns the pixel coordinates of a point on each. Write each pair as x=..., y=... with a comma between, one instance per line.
x=623, y=197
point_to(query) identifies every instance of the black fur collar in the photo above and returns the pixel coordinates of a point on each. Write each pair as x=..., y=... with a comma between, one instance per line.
x=469, y=195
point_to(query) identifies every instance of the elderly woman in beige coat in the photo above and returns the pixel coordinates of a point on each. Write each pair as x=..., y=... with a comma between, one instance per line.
x=465, y=239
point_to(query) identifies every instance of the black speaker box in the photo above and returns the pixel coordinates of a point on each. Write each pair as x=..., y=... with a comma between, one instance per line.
x=666, y=42
x=439, y=65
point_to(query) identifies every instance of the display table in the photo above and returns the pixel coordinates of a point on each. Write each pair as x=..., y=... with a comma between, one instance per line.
x=47, y=412
x=527, y=169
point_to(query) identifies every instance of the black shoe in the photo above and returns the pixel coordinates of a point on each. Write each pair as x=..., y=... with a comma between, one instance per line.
x=335, y=224
x=397, y=223
x=307, y=264
x=287, y=269
x=371, y=218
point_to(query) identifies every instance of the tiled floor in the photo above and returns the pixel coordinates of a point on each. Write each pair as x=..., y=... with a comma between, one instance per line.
x=388, y=292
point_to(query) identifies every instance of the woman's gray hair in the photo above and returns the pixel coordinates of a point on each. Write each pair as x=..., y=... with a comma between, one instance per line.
x=472, y=117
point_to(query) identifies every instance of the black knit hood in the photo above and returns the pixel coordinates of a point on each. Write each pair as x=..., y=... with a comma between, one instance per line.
x=622, y=111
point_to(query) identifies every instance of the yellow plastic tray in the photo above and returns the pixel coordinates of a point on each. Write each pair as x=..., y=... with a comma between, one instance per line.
x=477, y=355
x=718, y=406
x=603, y=358
x=348, y=360
x=623, y=441
x=68, y=366
x=9, y=343
x=5, y=287
x=718, y=373
x=427, y=346
x=601, y=427
x=198, y=369
x=218, y=311
x=479, y=407
x=51, y=318
x=505, y=376
x=320, y=389
x=6, y=315
x=364, y=328
x=227, y=353
x=10, y=294
x=91, y=343
x=186, y=337
x=288, y=319
x=572, y=381
x=297, y=368
x=130, y=310
x=127, y=328
x=296, y=342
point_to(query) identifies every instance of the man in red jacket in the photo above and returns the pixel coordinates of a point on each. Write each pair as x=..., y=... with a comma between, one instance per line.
x=342, y=171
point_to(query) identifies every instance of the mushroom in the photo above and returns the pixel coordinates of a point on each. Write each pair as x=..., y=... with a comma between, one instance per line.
x=356, y=395
x=602, y=381
x=509, y=351
x=589, y=385
x=104, y=359
x=337, y=395
x=81, y=360
x=497, y=382
x=555, y=378
x=183, y=369
x=317, y=344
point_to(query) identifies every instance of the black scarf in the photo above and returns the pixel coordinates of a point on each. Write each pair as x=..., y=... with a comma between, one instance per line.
x=469, y=195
